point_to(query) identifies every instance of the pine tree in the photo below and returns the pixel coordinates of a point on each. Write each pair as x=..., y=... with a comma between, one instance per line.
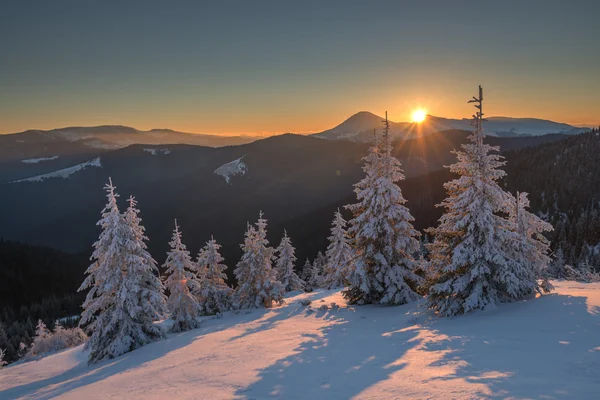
x=532, y=248
x=284, y=265
x=384, y=239
x=2, y=355
x=125, y=294
x=215, y=295
x=468, y=252
x=181, y=282
x=339, y=254
x=257, y=281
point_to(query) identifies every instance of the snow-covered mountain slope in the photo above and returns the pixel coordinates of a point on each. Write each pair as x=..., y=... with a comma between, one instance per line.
x=547, y=347
x=37, y=160
x=359, y=127
x=233, y=168
x=64, y=173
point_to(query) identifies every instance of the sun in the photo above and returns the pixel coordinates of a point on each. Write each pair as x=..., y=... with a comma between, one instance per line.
x=419, y=115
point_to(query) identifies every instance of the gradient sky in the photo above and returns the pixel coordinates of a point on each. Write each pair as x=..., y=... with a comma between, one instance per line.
x=300, y=66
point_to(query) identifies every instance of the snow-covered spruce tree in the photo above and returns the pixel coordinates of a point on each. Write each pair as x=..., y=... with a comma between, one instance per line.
x=215, y=295
x=2, y=355
x=306, y=271
x=41, y=330
x=284, y=265
x=320, y=262
x=531, y=252
x=469, y=249
x=384, y=240
x=181, y=282
x=124, y=294
x=557, y=266
x=257, y=281
x=339, y=254
x=315, y=278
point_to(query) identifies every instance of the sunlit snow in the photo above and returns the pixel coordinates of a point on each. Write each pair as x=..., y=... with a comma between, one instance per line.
x=541, y=348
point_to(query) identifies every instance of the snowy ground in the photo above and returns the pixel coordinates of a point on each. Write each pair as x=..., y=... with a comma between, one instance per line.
x=545, y=348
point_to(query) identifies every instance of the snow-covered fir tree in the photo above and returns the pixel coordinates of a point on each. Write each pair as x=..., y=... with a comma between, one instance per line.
x=384, y=240
x=320, y=262
x=557, y=266
x=339, y=254
x=41, y=330
x=257, y=281
x=284, y=265
x=125, y=294
x=215, y=295
x=2, y=355
x=532, y=249
x=315, y=277
x=181, y=282
x=306, y=271
x=469, y=248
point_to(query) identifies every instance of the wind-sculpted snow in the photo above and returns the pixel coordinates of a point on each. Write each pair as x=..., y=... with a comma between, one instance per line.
x=65, y=172
x=547, y=347
x=233, y=168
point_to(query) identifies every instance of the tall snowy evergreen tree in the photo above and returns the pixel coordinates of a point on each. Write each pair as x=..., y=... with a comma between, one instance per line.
x=532, y=249
x=339, y=255
x=384, y=239
x=181, y=282
x=284, y=265
x=257, y=281
x=125, y=294
x=215, y=295
x=468, y=252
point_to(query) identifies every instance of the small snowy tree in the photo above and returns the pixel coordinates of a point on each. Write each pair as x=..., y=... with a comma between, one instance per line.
x=257, y=282
x=315, y=279
x=557, y=266
x=384, y=239
x=214, y=295
x=181, y=282
x=124, y=294
x=532, y=248
x=468, y=252
x=41, y=330
x=284, y=265
x=306, y=271
x=2, y=355
x=339, y=255
x=320, y=262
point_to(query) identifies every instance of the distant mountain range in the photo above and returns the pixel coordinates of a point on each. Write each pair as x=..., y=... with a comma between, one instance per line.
x=38, y=144
x=35, y=146
x=209, y=190
x=359, y=127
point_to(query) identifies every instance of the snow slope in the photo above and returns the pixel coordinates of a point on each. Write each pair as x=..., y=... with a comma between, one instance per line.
x=65, y=172
x=232, y=168
x=37, y=160
x=542, y=348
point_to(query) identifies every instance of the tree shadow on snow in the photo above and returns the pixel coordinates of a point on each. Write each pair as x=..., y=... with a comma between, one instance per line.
x=83, y=374
x=544, y=348
x=336, y=362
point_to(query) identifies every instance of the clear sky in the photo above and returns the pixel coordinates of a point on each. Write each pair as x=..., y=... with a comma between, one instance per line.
x=300, y=66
